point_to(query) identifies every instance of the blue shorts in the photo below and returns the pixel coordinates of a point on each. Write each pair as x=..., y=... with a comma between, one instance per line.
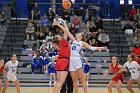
x=51, y=71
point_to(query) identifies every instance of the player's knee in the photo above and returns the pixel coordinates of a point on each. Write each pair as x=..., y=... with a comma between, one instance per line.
x=61, y=81
x=5, y=87
x=128, y=86
x=18, y=85
x=109, y=86
x=82, y=77
x=118, y=87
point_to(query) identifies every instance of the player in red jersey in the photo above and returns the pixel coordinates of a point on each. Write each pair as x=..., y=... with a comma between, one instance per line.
x=62, y=63
x=1, y=73
x=116, y=78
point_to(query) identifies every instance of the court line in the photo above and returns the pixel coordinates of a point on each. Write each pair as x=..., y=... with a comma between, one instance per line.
x=48, y=86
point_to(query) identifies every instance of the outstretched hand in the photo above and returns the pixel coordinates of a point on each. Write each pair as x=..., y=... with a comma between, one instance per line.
x=55, y=24
x=104, y=48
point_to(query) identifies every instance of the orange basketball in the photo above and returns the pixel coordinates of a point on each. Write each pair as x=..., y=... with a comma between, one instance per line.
x=66, y=4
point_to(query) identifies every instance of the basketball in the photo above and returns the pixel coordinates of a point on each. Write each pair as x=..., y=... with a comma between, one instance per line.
x=66, y=4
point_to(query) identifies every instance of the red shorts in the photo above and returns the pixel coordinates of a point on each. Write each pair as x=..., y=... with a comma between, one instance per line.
x=62, y=64
x=117, y=78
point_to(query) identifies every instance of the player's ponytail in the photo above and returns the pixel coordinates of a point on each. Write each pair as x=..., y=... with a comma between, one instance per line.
x=55, y=40
x=117, y=60
x=83, y=37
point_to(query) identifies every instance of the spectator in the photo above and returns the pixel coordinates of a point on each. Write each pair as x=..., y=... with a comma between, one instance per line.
x=40, y=39
x=73, y=29
x=44, y=21
x=137, y=16
x=30, y=31
x=91, y=25
x=66, y=17
x=137, y=27
x=128, y=28
x=136, y=51
x=91, y=37
x=38, y=28
x=98, y=23
x=49, y=37
x=36, y=11
x=13, y=7
x=49, y=40
x=98, y=11
x=45, y=30
x=32, y=16
x=51, y=15
x=137, y=38
x=103, y=39
x=6, y=9
x=76, y=22
x=88, y=35
x=85, y=16
x=3, y=19
x=43, y=49
x=37, y=62
x=132, y=13
x=93, y=42
x=124, y=12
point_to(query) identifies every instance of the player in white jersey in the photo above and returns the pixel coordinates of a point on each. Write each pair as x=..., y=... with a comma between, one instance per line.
x=75, y=67
x=11, y=68
x=134, y=69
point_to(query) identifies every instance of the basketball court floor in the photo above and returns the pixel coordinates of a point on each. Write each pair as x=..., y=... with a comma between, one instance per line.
x=42, y=88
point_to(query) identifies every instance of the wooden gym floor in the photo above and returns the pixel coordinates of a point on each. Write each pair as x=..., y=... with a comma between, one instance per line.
x=34, y=88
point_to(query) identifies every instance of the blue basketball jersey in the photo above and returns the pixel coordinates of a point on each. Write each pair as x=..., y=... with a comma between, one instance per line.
x=86, y=67
x=47, y=60
x=51, y=67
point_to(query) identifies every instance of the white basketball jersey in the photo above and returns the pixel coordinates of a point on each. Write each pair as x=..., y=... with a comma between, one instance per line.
x=133, y=68
x=12, y=68
x=76, y=48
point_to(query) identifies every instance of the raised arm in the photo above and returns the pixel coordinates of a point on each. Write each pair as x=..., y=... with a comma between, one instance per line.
x=86, y=45
x=62, y=28
x=67, y=31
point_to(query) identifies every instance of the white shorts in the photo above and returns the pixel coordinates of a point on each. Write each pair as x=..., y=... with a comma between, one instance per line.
x=135, y=77
x=11, y=78
x=75, y=63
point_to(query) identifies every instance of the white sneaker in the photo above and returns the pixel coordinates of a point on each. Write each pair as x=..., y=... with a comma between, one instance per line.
x=49, y=83
x=87, y=83
x=78, y=83
x=54, y=82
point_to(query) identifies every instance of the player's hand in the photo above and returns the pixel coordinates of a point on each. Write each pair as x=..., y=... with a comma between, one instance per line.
x=104, y=48
x=62, y=20
x=55, y=24
x=105, y=74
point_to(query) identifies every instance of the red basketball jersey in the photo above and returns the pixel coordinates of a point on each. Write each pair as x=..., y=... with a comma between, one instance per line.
x=64, y=49
x=1, y=69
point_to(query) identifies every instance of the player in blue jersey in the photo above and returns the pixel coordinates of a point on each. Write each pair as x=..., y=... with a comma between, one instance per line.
x=37, y=62
x=86, y=67
x=52, y=71
x=47, y=60
x=53, y=52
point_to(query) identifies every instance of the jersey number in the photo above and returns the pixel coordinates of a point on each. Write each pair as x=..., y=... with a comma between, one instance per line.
x=73, y=47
